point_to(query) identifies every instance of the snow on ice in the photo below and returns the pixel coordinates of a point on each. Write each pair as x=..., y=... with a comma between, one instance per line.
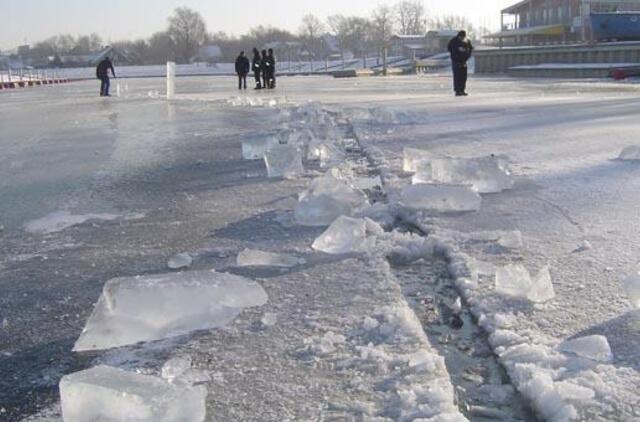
x=254, y=258
x=109, y=394
x=327, y=199
x=591, y=347
x=180, y=261
x=284, y=161
x=440, y=198
x=146, y=308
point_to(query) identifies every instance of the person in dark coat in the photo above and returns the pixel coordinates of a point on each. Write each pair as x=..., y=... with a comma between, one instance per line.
x=271, y=76
x=102, y=73
x=257, y=68
x=265, y=68
x=460, y=49
x=242, y=69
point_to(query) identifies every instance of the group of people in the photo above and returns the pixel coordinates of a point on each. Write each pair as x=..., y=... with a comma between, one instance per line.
x=263, y=66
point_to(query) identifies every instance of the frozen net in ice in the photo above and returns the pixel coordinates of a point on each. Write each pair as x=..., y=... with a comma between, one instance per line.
x=440, y=198
x=327, y=199
x=484, y=175
x=104, y=393
x=284, y=161
x=146, y=308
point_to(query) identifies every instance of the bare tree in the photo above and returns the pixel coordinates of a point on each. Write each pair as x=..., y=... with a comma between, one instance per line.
x=340, y=28
x=188, y=31
x=455, y=22
x=411, y=17
x=382, y=27
x=311, y=32
x=162, y=48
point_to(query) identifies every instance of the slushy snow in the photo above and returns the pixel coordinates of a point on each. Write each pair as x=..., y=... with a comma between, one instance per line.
x=255, y=258
x=103, y=393
x=146, y=308
x=440, y=198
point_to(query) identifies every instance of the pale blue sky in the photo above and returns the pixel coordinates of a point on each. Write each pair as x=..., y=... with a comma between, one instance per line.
x=33, y=20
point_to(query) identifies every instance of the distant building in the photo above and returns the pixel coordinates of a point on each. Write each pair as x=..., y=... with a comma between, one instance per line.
x=118, y=56
x=531, y=22
x=437, y=41
x=409, y=46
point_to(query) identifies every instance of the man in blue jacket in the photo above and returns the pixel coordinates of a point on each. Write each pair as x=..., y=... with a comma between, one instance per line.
x=460, y=49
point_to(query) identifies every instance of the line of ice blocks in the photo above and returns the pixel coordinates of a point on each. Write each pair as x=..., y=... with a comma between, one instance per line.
x=440, y=198
x=284, y=161
x=414, y=158
x=254, y=258
x=515, y=280
x=146, y=308
x=327, y=199
x=108, y=394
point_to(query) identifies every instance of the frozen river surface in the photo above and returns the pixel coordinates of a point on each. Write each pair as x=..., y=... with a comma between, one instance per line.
x=92, y=189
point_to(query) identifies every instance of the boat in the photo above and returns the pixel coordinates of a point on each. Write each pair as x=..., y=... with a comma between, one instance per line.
x=617, y=26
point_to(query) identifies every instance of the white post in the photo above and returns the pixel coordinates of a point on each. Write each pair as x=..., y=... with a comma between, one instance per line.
x=171, y=80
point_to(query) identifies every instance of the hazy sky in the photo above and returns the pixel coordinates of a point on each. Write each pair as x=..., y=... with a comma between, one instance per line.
x=33, y=20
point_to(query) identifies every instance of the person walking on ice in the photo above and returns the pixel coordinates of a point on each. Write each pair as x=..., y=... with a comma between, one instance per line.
x=102, y=73
x=460, y=49
x=242, y=69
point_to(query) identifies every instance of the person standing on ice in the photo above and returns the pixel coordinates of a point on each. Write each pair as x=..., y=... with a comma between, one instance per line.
x=265, y=69
x=102, y=73
x=242, y=69
x=460, y=49
x=257, y=68
x=271, y=76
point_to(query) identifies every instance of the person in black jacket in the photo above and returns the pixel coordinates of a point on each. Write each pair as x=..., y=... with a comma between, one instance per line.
x=460, y=49
x=102, y=73
x=271, y=76
x=242, y=69
x=257, y=68
x=265, y=69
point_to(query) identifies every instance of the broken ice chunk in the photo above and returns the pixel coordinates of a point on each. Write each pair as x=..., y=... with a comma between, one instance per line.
x=511, y=240
x=254, y=149
x=440, y=198
x=284, y=161
x=513, y=280
x=103, y=393
x=146, y=308
x=632, y=287
x=541, y=287
x=344, y=236
x=326, y=199
x=175, y=367
x=179, y=261
x=484, y=175
x=414, y=157
x=594, y=347
x=630, y=153
x=254, y=258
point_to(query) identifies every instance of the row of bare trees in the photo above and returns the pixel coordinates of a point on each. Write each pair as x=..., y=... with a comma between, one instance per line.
x=187, y=30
